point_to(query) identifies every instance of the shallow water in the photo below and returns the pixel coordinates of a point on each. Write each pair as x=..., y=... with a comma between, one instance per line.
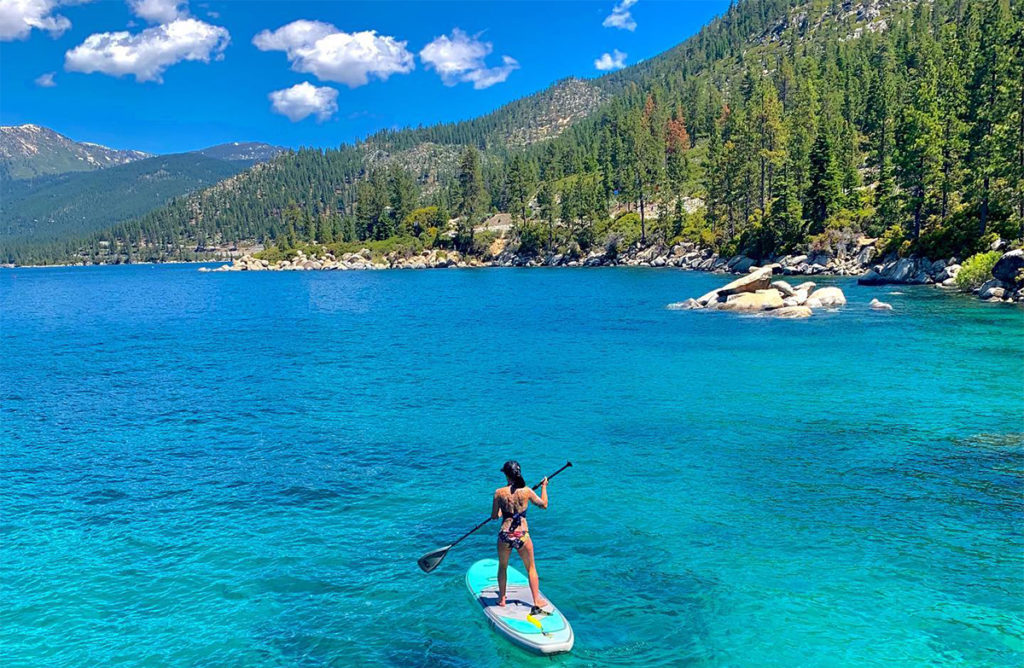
x=241, y=469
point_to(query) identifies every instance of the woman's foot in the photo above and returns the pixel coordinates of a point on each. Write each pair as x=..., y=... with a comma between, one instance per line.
x=501, y=601
x=541, y=602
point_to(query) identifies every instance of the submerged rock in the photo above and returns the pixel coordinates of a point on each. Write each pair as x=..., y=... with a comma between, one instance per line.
x=687, y=305
x=791, y=312
x=880, y=306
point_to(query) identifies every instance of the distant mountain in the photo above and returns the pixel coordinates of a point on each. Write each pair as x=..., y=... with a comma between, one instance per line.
x=77, y=204
x=28, y=151
x=243, y=152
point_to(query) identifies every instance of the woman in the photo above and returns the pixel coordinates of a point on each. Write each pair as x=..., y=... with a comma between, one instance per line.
x=510, y=504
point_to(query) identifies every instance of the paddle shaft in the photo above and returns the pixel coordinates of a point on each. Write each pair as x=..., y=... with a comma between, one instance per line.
x=470, y=532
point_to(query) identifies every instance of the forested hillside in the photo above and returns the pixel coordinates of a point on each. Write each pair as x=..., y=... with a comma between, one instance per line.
x=781, y=124
x=53, y=209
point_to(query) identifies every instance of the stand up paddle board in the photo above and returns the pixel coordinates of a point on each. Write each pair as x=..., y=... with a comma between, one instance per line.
x=547, y=632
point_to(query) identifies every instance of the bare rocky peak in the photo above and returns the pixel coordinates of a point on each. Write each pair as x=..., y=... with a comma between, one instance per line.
x=30, y=150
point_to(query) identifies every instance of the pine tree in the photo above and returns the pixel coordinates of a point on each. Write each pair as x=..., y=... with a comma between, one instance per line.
x=988, y=102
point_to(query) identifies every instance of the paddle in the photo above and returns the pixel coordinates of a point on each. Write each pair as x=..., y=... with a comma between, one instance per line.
x=432, y=560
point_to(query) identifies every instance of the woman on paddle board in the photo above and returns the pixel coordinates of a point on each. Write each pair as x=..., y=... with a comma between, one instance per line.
x=510, y=504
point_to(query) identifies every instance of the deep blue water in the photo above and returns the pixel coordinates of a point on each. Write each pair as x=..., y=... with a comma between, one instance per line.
x=241, y=469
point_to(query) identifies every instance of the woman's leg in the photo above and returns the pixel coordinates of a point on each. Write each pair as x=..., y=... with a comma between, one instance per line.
x=526, y=553
x=504, y=552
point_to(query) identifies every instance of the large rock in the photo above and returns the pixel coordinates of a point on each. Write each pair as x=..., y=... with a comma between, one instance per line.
x=791, y=312
x=993, y=289
x=740, y=264
x=785, y=288
x=825, y=297
x=762, y=300
x=1008, y=266
x=759, y=279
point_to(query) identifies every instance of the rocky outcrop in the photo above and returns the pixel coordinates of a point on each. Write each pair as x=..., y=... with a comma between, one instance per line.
x=762, y=300
x=757, y=293
x=914, y=271
x=758, y=279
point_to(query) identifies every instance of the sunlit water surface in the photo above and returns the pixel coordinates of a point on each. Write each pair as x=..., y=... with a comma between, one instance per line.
x=241, y=469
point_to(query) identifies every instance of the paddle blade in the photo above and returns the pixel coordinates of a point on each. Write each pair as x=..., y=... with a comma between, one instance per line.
x=431, y=560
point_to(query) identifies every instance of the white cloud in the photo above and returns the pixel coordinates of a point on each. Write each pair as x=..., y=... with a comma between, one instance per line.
x=460, y=58
x=46, y=80
x=615, y=60
x=147, y=54
x=621, y=17
x=349, y=58
x=19, y=17
x=304, y=99
x=159, y=11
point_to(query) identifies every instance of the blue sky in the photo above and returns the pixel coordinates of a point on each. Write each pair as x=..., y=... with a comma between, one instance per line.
x=165, y=76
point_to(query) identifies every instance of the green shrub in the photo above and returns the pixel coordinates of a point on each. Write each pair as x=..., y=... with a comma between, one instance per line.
x=976, y=270
x=696, y=229
x=420, y=220
x=625, y=229
x=891, y=240
x=532, y=238
x=482, y=241
x=400, y=245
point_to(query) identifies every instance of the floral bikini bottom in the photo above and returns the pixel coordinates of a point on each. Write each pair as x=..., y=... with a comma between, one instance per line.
x=512, y=536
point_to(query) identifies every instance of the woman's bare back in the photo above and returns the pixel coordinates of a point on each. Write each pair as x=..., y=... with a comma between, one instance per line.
x=511, y=503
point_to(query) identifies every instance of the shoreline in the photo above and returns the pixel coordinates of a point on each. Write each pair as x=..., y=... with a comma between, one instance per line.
x=1002, y=285
x=858, y=262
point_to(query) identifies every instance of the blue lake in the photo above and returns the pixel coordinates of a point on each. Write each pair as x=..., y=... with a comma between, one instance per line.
x=242, y=469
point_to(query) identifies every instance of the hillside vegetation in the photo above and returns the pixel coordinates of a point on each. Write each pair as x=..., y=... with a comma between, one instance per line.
x=781, y=124
x=52, y=209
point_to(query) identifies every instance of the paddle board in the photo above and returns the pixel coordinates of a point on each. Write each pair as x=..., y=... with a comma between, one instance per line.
x=547, y=632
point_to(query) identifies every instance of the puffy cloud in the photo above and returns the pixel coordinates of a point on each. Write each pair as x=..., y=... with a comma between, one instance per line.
x=159, y=11
x=147, y=54
x=621, y=17
x=19, y=17
x=349, y=58
x=46, y=80
x=460, y=58
x=305, y=99
x=615, y=60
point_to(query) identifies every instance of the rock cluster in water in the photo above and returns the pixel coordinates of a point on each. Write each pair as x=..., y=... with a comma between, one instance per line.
x=758, y=293
x=1005, y=285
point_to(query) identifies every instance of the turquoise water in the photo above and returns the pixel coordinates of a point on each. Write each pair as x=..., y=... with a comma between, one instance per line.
x=242, y=469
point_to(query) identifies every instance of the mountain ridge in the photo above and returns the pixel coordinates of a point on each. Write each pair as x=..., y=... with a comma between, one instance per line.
x=30, y=150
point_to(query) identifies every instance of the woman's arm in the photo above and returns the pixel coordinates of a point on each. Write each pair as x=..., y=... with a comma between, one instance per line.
x=495, y=508
x=542, y=500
